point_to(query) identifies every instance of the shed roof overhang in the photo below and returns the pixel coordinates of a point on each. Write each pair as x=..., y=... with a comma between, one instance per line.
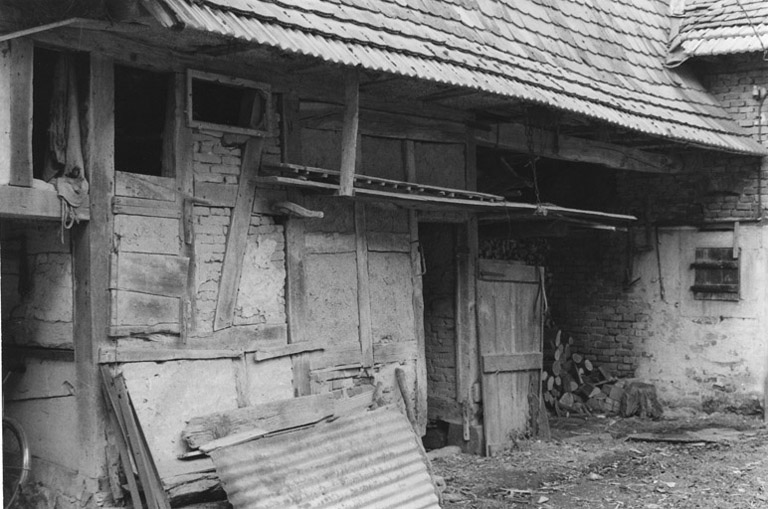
x=601, y=61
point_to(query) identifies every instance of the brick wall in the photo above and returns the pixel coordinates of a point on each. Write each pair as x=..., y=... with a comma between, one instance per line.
x=590, y=294
x=261, y=297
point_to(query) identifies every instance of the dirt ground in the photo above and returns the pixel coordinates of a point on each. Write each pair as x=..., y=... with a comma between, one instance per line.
x=597, y=462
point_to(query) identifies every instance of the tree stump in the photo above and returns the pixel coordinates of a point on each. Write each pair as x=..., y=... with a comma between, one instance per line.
x=640, y=399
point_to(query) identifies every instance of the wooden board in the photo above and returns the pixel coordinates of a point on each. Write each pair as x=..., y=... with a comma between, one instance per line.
x=133, y=308
x=5, y=114
x=22, y=51
x=384, y=353
x=509, y=324
x=363, y=287
x=147, y=234
x=148, y=187
x=150, y=273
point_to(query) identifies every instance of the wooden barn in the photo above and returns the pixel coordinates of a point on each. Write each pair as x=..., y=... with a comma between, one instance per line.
x=228, y=212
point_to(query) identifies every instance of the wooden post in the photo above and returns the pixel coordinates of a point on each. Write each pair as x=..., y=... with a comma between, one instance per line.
x=5, y=113
x=92, y=246
x=409, y=162
x=363, y=287
x=238, y=234
x=349, y=133
x=22, y=59
x=182, y=170
x=295, y=247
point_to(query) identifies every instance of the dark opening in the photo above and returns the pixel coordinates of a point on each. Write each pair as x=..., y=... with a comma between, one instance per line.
x=141, y=102
x=228, y=105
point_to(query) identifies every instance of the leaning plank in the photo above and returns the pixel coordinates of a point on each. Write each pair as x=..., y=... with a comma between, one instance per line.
x=286, y=351
x=270, y=417
x=356, y=403
x=237, y=234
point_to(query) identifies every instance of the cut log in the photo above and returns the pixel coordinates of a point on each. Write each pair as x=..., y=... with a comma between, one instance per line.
x=588, y=365
x=557, y=338
x=640, y=399
x=577, y=358
x=559, y=352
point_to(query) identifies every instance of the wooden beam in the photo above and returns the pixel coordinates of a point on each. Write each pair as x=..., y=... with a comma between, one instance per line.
x=114, y=354
x=287, y=351
x=349, y=133
x=238, y=234
x=421, y=410
x=22, y=59
x=30, y=203
x=363, y=287
x=6, y=123
x=92, y=246
x=512, y=137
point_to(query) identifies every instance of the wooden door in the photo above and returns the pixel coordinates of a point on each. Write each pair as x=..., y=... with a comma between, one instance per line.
x=509, y=309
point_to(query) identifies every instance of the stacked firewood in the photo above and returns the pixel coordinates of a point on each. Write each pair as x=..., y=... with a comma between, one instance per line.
x=573, y=384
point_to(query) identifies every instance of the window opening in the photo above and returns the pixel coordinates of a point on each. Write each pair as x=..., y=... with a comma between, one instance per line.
x=717, y=274
x=227, y=104
x=142, y=121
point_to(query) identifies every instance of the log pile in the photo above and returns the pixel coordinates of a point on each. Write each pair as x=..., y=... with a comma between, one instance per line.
x=573, y=384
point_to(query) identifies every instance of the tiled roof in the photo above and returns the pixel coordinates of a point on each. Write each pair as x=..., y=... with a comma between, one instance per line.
x=598, y=58
x=722, y=27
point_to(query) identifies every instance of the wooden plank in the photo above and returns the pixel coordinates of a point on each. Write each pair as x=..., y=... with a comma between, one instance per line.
x=150, y=273
x=513, y=137
x=467, y=369
x=421, y=402
x=385, y=353
x=118, y=331
x=92, y=245
x=116, y=421
x=512, y=362
x=357, y=403
x=149, y=187
x=238, y=234
x=285, y=351
x=185, y=180
x=349, y=133
x=386, y=242
x=329, y=243
x=218, y=195
x=337, y=355
x=133, y=308
x=363, y=287
x=141, y=207
x=30, y=203
x=6, y=123
x=273, y=416
x=502, y=270
x=114, y=354
x=22, y=59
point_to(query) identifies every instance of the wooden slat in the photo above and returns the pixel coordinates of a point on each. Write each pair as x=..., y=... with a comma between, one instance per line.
x=6, y=122
x=268, y=416
x=143, y=207
x=237, y=234
x=500, y=270
x=113, y=354
x=148, y=187
x=363, y=287
x=118, y=331
x=143, y=309
x=22, y=58
x=512, y=362
x=349, y=133
x=513, y=137
x=384, y=353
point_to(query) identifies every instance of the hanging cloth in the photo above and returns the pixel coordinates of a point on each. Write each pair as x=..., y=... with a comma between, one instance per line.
x=64, y=166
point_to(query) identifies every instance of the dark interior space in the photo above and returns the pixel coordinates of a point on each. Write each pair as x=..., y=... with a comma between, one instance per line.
x=141, y=101
x=228, y=105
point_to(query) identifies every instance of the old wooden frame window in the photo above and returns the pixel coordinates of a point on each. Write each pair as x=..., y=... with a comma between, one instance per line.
x=717, y=274
x=227, y=104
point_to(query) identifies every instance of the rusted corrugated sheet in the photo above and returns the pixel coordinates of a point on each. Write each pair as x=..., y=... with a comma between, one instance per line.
x=599, y=59
x=370, y=459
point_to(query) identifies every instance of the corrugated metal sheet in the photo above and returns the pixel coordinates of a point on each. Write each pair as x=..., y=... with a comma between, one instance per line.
x=599, y=59
x=367, y=460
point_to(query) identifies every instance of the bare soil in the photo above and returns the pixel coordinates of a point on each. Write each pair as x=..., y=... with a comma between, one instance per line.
x=593, y=463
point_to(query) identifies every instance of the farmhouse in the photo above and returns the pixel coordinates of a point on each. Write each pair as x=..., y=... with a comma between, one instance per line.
x=221, y=216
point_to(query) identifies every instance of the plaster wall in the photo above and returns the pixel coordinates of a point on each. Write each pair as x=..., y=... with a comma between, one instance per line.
x=702, y=352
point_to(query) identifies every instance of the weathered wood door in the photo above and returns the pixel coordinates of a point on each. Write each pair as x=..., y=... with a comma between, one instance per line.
x=509, y=309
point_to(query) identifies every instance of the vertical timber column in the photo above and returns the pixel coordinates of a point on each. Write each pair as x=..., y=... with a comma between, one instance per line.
x=22, y=56
x=467, y=362
x=409, y=163
x=349, y=141
x=92, y=246
x=295, y=248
